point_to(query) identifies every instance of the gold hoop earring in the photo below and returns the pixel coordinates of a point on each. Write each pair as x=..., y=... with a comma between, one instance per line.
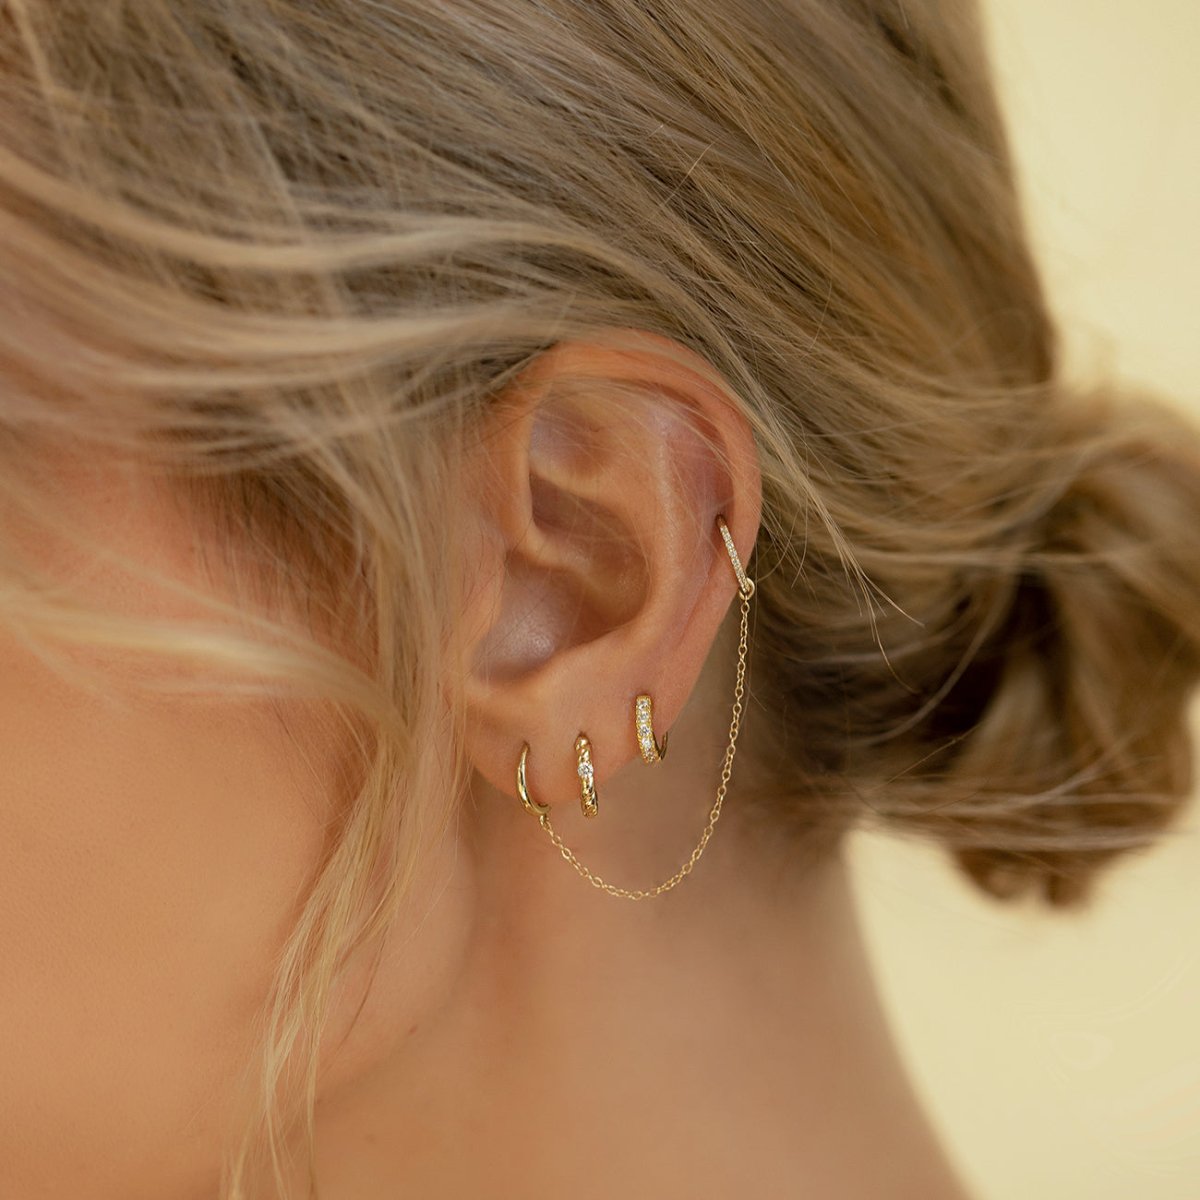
x=746, y=589
x=538, y=810
x=643, y=718
x=587, y=777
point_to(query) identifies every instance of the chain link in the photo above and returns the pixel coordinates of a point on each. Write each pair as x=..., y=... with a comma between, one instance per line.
x=745, y=590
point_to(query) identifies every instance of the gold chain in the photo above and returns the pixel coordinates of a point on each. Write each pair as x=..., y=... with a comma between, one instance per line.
x=745, y=590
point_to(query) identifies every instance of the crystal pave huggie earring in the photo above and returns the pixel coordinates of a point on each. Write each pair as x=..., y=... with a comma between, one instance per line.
x=542, y=811
x=643, y=719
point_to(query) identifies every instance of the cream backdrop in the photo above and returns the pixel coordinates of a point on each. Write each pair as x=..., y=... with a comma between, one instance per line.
x=1060, y=1054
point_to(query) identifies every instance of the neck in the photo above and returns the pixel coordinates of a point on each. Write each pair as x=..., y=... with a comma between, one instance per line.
x=725, y=1039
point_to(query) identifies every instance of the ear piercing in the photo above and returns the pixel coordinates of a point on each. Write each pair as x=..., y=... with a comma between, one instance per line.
x=652, y=751
x=531, y=805
x=587, y=776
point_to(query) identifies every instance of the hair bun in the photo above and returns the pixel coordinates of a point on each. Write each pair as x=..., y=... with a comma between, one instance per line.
x=1083, y=750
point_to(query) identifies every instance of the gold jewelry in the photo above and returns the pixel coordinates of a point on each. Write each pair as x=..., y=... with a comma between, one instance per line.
x=542, y=811
x=643, y=717
x=538, y=810
x=587, y=776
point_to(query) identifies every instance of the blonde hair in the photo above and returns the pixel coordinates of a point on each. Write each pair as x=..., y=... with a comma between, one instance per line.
x=292, y=251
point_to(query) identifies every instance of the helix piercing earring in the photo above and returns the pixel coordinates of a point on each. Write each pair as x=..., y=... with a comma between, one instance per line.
x=652, y=751
x=746, y=589
x=587, y=777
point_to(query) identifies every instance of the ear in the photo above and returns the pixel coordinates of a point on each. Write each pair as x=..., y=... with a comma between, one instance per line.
x=600, y=475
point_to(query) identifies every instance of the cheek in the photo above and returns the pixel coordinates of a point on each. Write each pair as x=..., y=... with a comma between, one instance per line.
x=152, y=852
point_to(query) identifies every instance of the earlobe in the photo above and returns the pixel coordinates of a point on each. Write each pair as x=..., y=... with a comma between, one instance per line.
x=603, y=470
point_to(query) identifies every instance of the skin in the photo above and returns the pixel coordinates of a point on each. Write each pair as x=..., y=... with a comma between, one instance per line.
x=524, y=1035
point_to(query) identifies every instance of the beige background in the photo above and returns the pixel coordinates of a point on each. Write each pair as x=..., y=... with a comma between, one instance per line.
x=1060, y=1055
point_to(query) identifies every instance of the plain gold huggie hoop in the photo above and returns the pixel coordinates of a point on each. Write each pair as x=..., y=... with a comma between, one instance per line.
x=538, y=810
x=746, y=589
